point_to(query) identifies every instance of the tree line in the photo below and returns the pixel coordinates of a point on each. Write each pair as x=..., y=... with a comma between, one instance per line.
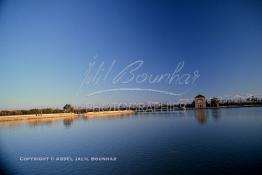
x=38, y=111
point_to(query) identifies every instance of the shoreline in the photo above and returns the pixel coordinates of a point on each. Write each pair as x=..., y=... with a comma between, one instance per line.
x=36, y=117
x=108, y=113
x=63, y=115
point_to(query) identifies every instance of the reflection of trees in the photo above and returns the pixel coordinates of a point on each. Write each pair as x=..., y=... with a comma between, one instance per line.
x=201, y=115
x=216, y=113
x=36, y=123
x=68, y=122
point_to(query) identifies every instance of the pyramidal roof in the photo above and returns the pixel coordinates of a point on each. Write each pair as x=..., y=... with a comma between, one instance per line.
x=199, y=95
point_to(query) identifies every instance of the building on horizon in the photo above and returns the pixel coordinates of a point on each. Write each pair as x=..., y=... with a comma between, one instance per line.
x=215, y=102
x=200, y=102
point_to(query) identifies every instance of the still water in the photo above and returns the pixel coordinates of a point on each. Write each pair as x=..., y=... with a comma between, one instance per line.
x=213, y=141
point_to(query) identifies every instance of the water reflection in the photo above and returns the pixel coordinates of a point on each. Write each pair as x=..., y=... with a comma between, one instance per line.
x=201, y=116
x=67, y=121
x=107, y=117
x=151, y=142
x=35, y=123
x=216, y=113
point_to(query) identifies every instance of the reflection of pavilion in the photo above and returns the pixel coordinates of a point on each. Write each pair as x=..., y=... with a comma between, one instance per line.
x=201, y=116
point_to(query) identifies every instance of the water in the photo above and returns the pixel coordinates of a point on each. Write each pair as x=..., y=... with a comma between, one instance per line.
x=214, y=141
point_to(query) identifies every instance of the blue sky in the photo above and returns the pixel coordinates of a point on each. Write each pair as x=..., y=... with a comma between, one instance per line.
x=46, y=46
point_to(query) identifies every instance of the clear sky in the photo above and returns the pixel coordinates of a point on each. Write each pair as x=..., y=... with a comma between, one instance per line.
x=47, y=45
